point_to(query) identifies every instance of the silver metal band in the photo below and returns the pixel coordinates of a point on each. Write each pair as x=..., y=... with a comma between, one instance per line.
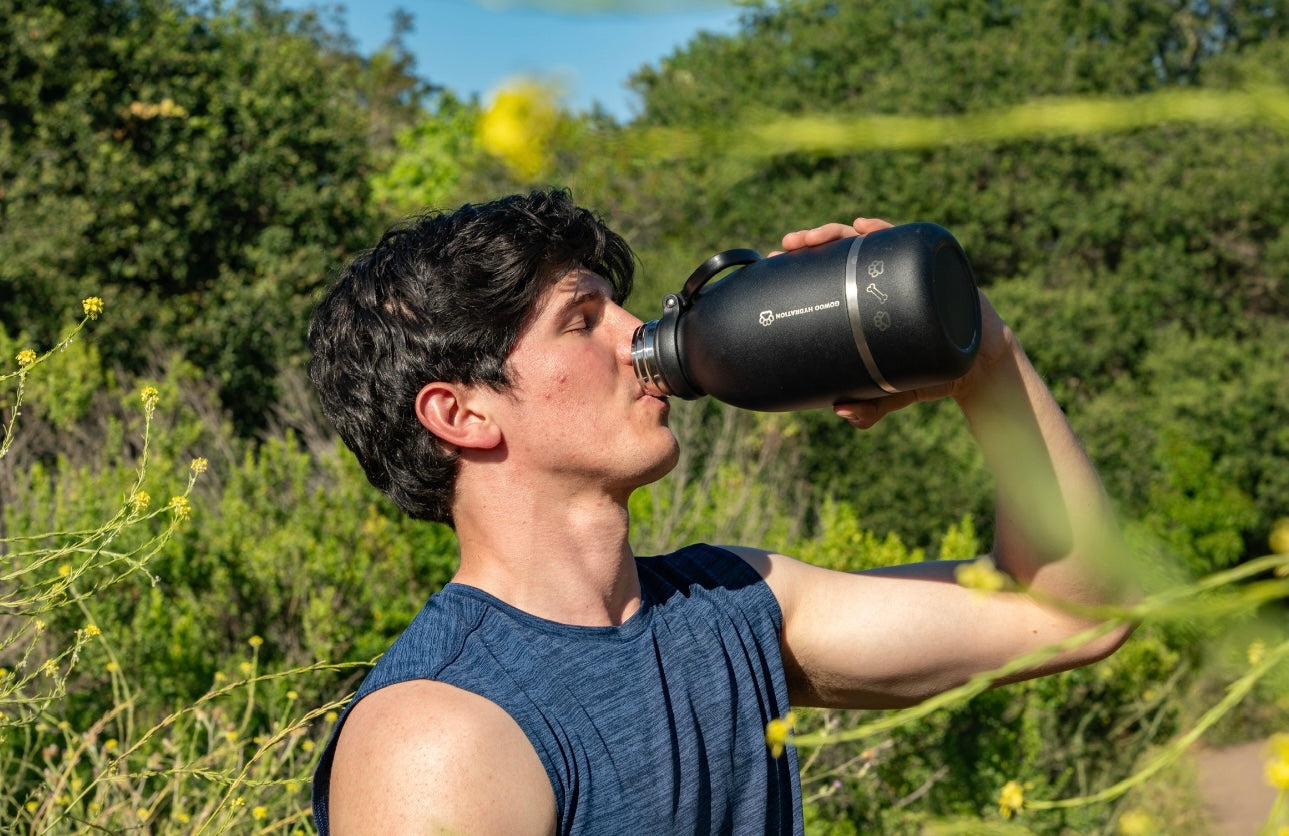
x=644, y=358
x=857, y=321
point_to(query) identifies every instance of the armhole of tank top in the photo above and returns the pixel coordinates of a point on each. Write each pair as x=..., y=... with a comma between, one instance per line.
x=763, y=593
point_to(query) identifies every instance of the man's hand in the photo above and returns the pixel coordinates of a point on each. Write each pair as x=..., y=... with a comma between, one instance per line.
x=997, y=340
x=832, y=232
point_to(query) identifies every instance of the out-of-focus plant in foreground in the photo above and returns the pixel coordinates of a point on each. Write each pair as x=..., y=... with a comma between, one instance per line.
x=1222, y=596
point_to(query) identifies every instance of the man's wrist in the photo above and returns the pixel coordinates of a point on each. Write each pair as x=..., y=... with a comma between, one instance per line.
x=999, y=371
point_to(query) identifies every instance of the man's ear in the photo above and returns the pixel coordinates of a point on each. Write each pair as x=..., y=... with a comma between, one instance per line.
x=453, y=413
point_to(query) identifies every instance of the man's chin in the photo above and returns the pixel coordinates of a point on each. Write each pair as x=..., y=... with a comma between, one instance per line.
x=665, y=465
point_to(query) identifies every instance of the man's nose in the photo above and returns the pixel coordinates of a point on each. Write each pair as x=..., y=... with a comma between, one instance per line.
x=625, y=330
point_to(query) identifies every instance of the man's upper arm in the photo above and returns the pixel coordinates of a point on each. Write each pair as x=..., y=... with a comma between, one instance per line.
x=426, y=757
x=898, y=635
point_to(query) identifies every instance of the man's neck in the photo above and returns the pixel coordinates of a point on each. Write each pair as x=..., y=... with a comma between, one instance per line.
x=565, y=559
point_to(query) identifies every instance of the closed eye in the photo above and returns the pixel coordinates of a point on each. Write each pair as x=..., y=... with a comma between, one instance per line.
x=587, y=313
x=584, y=305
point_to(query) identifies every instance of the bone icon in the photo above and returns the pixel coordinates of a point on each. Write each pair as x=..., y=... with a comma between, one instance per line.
x=876, y=291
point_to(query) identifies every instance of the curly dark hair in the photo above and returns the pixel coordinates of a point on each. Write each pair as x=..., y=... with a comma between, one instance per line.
x=443, y=297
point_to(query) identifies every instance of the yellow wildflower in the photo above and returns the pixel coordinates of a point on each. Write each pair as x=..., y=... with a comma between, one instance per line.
x=168, y=108
x=331, y=717
x=259, y=812
x=149, y=395
x=93, y=306
x=144, y=110
x=307, y=745
x=1279, y=534
x=110, y=744
x=980, y=575
x=1277, y=771
x=1136, y=823
x=1257, y=649
x=246, y=668
x=255, y=641
x=292, y=694
x=25, y=358
x=181, y=507
x=778, y=731
x=140, y=502
x=142, y=812
x=199, y=465
x=92, y=630
x=1011, y=799
x=518, y=126
x=292, y=786
x=64, y=570
x=111, y=667
x=1278, y=774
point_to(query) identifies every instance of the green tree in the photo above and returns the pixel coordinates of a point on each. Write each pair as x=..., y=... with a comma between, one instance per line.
x=200, y=169
x=429, y=159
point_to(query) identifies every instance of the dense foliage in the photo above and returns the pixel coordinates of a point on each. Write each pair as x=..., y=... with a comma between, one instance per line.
x=199, y=171
x=203, y=169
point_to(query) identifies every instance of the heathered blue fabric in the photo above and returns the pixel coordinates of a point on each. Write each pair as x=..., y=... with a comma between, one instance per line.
x=656, y=726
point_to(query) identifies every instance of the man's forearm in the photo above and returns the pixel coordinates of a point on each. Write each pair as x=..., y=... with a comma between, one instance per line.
x=1055, y=529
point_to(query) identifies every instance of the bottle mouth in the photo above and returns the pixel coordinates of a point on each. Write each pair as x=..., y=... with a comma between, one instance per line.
x=644, y=359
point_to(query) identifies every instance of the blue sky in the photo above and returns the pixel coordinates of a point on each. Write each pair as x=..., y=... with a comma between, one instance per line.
x=472, y=46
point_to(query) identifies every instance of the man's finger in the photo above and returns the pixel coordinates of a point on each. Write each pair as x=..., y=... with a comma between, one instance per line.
x=866, y=225
x=817, y=235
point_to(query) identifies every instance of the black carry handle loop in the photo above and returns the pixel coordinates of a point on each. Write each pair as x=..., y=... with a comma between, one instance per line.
x=711, y=267
x=665, y=342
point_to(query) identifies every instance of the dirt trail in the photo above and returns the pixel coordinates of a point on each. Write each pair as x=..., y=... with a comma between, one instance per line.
x=1232, y=782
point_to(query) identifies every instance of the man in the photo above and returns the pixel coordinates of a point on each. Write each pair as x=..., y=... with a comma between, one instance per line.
x=479, y=365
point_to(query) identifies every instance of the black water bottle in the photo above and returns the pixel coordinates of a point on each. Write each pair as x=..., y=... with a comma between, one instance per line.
x=850, y=320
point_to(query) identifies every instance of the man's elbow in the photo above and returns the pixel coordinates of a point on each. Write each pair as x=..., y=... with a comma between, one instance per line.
x=1112, y=641
x=1097, y=647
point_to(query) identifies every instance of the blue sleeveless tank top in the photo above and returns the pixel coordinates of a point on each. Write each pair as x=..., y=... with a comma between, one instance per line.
x=656, y=726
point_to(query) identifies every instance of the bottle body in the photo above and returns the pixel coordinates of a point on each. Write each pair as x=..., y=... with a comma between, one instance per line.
x=854, y=319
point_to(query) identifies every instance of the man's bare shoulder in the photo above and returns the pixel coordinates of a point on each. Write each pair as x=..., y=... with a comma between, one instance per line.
x=427, y=757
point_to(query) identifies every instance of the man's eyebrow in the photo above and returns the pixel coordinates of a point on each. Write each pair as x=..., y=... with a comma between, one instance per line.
x=580, y=293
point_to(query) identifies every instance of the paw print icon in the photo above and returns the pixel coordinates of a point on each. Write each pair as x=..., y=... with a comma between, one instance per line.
x=766, y=318
x=876, y=268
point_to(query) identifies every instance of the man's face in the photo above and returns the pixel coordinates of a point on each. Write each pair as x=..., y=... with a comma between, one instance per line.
x=576, y=409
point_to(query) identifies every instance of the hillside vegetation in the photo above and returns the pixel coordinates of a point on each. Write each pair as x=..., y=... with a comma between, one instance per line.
x=202, y=170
